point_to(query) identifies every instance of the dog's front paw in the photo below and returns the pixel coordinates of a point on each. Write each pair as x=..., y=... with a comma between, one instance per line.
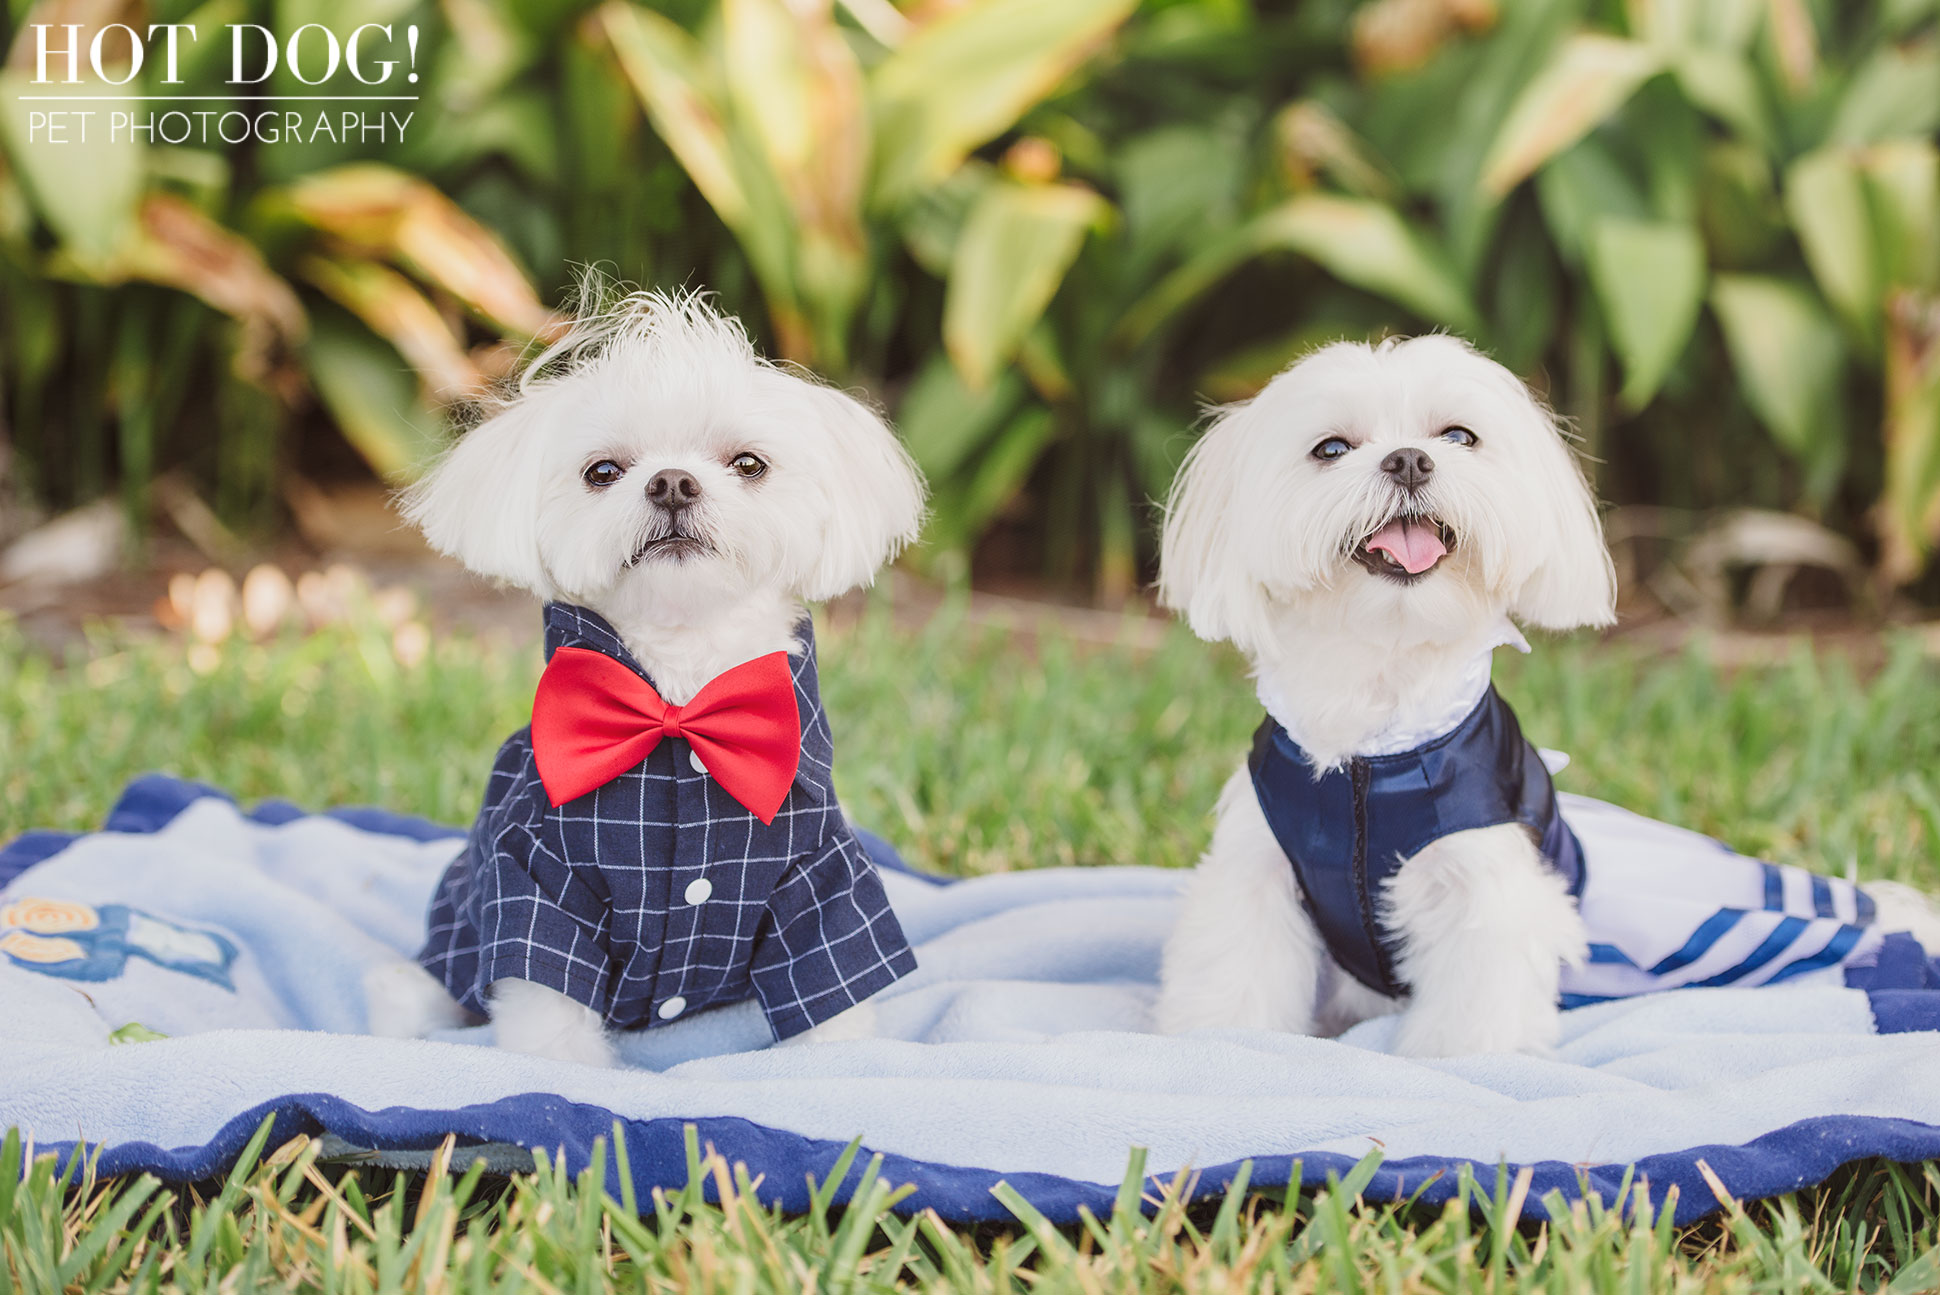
x=404, y=1001
x=858, y=1022
x=579, y=1048
x=541, y=1022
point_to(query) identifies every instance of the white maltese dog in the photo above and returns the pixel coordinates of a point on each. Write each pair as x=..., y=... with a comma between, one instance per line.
x=1367, y=531
x=665, y=837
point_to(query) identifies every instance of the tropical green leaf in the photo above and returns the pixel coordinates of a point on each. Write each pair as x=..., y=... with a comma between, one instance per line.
x=1910, y=502
x=1459, y=119
x=1649, y=279
x=778, y=77
x=84, y=182
x=31, y=329
x=1727, y=24
x=1673, y=161
x=1896, y=92
x=1792, y=43
x=1902, y=178
x=945, y=423
x=595, y=111
x=798, y=91
x=1744, y=222
x=1581, y=187
x=1789, y=357
x=1363, y=243
x=1016, y=245
x=667, y=69
x=1589, y=78
x=993, y=481
x=391, y=306
x=374, y=397
x=1898, y=17
x=1176, y=185
x=799, y=101
x=966, y=77
x=780, y=154
x=1827, y=202
x=932, y=221
x=1527, y=295
x=1724, y=84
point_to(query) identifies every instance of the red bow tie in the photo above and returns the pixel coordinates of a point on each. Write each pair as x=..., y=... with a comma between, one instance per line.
x=593, y=719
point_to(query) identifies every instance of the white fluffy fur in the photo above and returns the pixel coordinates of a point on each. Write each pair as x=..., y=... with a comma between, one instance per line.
x=1244, y=953
x=404, y=1001
x=662, y=382
x=1902, y=908
x=1257, y=550
x=1487, y=928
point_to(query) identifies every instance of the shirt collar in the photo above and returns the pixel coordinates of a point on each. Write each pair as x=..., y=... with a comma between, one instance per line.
x=569, y=625
x=1426, y=723
x=581, y=627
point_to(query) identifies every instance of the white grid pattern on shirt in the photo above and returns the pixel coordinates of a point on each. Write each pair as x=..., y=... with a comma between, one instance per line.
x=589, y=898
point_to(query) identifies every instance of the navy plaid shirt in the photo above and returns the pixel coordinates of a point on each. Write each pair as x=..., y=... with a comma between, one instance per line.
x=658, y=894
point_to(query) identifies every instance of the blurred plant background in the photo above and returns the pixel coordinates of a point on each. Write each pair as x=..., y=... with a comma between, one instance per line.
x=1041, y=233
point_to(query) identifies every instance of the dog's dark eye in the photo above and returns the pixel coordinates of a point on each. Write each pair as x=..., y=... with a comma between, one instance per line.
x=603, y=474
x=748, y=466
x=1461, y=436
x=1331, y=448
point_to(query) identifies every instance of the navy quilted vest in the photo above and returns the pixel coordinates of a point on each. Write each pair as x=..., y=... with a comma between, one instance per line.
x=1349, y=830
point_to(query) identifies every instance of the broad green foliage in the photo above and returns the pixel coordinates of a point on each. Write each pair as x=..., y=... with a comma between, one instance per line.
x=1790, y=355
x=1017, y=243
x=806, y=155
x=1650, y=277
x=1667, y=144
x=1706, y=230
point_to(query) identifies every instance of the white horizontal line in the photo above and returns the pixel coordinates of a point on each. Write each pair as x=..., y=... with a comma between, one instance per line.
x=186, y=98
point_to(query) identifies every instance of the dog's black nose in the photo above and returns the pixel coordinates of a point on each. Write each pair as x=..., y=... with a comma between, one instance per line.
x=1409, y=468
x=673, y=489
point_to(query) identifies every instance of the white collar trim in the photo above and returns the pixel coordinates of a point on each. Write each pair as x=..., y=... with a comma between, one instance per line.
x=1412, y=728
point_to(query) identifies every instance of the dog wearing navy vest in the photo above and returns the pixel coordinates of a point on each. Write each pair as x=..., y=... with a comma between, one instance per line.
x=1368, y=531
x=664, y=838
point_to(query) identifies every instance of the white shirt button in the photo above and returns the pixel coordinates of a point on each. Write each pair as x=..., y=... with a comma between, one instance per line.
x=672, y=1007
x=694, y=758
x=698, y=890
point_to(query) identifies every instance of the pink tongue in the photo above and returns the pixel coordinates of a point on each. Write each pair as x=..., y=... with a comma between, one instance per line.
x=1414, y=545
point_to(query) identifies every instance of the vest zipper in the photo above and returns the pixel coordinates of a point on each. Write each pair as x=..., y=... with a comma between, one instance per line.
x=1362, y=775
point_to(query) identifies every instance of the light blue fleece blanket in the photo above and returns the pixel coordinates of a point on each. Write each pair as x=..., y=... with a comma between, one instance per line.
x=1018, y=1051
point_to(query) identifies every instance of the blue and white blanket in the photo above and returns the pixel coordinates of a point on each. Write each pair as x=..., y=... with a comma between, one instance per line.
x=1016, y=1053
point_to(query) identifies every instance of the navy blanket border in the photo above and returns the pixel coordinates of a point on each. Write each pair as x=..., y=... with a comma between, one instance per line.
x=1785, y=1160
x=1904, y=989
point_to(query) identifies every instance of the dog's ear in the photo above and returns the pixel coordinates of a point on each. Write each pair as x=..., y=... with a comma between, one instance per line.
x=1572, y=583
x=480, y=502
x=876, y=506
x=1202, y=575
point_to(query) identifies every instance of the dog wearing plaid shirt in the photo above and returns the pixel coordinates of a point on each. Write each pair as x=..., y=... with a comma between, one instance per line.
x=665, y=837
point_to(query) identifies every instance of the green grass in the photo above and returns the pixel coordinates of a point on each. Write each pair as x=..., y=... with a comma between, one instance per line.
x=973, y=752
x=289, y=1221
